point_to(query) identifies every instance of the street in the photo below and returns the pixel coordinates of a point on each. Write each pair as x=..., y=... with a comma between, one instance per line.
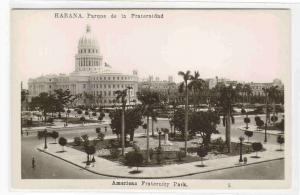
x=49, y=167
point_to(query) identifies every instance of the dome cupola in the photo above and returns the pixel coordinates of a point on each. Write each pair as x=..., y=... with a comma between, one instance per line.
x=88, y=57
x=87, y=43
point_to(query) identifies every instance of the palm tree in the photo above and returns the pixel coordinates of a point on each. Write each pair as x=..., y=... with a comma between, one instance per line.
x=196, y=85
x=129, y=88
x=186, y=77
x=273, y=96
x=149, y=103
x=153, y=120
x=121, y=94
x=248, y=91
x=226, y=100
x=174, y=105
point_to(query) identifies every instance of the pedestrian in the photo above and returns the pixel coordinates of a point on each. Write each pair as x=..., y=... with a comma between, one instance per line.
x=105, y=129
x=33, y=163
x=27, y=133
x=93, y=161
x=245, y=160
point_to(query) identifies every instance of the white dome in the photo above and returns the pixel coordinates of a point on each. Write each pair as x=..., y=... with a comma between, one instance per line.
x=88, y=41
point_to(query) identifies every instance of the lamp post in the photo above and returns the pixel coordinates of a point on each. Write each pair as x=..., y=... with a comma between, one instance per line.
x=159, y=141
x=45, y=136
x=241, y=138
x=266, y=119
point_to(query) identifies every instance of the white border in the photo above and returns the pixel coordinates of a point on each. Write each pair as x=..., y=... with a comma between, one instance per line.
x=5, y=74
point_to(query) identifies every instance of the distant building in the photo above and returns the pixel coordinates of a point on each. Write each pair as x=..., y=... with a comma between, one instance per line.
x=212, y=82
x=167, y=88
x=257, y=88
x=91, y=76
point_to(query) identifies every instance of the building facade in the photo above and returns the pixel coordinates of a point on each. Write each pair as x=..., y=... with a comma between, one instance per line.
x=257, y=88
x=91, y=76
x=167, y=88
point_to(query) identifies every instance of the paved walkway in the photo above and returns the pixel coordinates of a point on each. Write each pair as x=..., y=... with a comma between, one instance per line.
x=115, y=169
x=60, y=126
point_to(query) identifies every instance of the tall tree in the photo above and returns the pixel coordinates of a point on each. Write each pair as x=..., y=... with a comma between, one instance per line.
x=226, y=100
x=186, y=78
x=133, y=119
x=205, y=124
x=196, y=85
x=149, y=103
x=63, y=98
x=121, y=95
x=44, y=103
x=248, y=92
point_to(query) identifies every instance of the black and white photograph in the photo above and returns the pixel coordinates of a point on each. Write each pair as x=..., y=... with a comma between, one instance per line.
x=151, y=98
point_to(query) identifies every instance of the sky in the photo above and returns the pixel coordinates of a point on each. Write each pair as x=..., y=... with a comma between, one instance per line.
x=243, y=45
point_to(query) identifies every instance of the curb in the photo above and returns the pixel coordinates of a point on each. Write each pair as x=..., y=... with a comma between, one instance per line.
x=162, y=177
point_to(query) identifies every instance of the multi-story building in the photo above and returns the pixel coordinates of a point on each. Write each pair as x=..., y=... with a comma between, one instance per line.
x=168, y=88
x=257, y=88
x=91, y=75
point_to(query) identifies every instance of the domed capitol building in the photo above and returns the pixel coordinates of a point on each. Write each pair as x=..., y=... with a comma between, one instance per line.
x=91, y=76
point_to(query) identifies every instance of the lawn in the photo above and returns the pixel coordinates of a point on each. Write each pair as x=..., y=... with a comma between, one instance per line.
x=169, y=154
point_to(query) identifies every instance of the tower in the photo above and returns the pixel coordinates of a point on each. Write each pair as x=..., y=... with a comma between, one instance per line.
x=88, y=57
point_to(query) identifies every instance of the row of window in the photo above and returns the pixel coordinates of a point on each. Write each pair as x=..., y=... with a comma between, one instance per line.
x=87, y=63
x=99, y=78
x=88, y=51
x=106, y=93
x=122, y=86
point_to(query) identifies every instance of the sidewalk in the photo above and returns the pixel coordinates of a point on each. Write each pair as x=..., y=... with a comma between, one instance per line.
x=115, y=169
x=69, y=127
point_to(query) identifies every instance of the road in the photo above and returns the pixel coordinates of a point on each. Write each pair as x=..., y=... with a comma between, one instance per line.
x=48, y=167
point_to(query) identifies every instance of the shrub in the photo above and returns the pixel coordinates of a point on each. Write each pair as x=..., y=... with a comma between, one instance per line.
x=62, y=141
x=136, y=148
x=77, y=141
x=202, y=152
x=40, y=134
x=249, y=134
x=280, y=125
x=247, y=121
x=274, y=118
x=82, y=119
x=98, y=130
x=151, y=153
x=50, y=120
x=134, y=158
x=257, y=146
x=180, y=155
x=101, y=116
x=86, y=113
x=79, y=111
x=115, y=153
x=260, y=123
x=256, y=118
x=68, y=111
x=159, y=154
x=220, y=144
x=280, y=140
x=243, y=111
x=100, y=136
x=94, y=114
x=54, y=135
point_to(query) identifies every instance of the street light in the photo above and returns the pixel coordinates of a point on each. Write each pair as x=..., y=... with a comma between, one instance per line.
x=159, y=140
x=159, y=144
x=241, y=138
x=45, y=136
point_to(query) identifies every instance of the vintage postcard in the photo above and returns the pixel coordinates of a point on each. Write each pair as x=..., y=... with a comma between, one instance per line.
x=155, y=99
